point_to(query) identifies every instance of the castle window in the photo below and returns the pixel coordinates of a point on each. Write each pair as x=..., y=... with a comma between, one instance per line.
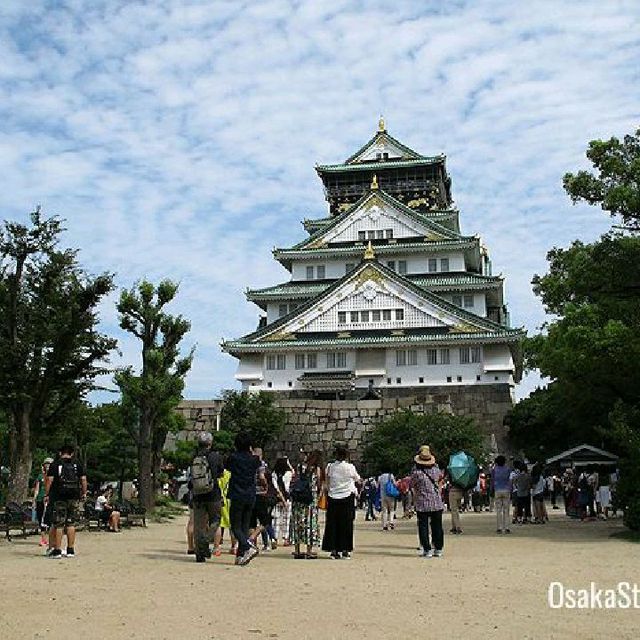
x=464, y=355
x=362, y=235
x=388, y=233
x=402, y=266
x=399, y=380
x=269, y=384
x=342, y=317
x=320, y=270
x=364, y=316
x=399, y=314
x=391, y=264
x=371, y=235
x=412, y=357
x=386, y=314
x=312, y=361
x=433, y=265
x=309, y=273
x=401, y=358
x=282, y=310
x=375, y=315
x=354, y=316
x=421, y=380
x=448, y=378
x=281, y=362
x=459, y=378
x=475, y=354
x=468, y=302
x=379, y=234
x=477, y=378
x=300, y=360
x=271, y=362
x=443, y=356
x=336, y=360
x=444, y=264
x=432, y=356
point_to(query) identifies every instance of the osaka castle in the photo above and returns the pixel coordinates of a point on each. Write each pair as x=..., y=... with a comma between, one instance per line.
x=385, y=295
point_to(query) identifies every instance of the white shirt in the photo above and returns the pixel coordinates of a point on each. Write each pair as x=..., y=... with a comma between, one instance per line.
x=100, y=502
x=286, y=480
x=341, y=479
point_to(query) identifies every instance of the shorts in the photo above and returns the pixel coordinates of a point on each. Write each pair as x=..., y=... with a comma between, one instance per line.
x=261, y=513
x=64, y=513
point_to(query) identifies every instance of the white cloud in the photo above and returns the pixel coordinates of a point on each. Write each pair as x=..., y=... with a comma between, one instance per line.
x=178, y=139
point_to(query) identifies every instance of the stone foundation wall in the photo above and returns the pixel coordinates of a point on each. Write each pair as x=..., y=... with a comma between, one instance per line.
x=319, y=424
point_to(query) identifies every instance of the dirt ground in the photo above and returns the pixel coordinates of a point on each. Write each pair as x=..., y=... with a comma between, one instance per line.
x=140, y=584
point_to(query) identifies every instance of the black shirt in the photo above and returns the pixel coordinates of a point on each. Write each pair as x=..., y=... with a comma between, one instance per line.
x=242, y=485
x=54, y=472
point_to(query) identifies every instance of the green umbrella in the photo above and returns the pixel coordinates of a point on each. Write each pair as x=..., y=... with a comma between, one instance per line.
x=463, y=470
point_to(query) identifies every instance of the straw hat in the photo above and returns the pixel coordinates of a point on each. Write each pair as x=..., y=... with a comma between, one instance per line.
x=424, y=456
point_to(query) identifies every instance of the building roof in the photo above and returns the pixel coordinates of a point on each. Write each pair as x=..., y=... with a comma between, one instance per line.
x=303, y=289
x=468, y=242
x=471, y=327
x=584, y=454
x=378, y=165
x=383, y=136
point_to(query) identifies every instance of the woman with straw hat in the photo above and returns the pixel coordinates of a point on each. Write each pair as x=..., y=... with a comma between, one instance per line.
x=425, y=482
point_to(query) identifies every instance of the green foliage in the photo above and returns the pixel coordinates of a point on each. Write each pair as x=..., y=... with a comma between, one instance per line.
x=615, y=186
x=182, y=455
x=393, y=443
x=625, y=422
x=252, y=412
x=151, y=395
x=51, y=349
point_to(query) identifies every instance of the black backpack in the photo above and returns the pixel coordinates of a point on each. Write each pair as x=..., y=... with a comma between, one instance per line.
x=301, y=488
x=68, y=480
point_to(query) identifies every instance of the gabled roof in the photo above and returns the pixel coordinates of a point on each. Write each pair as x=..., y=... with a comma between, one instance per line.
x=387, y=164
x=581, y=453
x=470, y=325
x=383, y=137
x=435, y=227
x=304, y=289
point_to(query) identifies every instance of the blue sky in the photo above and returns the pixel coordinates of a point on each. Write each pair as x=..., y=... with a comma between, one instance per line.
x=178, y=139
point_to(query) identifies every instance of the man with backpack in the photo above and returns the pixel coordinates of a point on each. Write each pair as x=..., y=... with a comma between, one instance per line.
x=206, y=468
x=65, y=486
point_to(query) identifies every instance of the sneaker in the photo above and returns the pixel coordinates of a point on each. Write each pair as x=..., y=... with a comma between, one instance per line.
x=392, y=526
x=420, y=551
x=335, y=556
x=250, y=555
x=427, y=554
x=266, y=548
x=385, y=528
x=346, y=555
x=200, y=558
x=507, y=530
x=274, y=544
x=499, y=531
x=55, y=554
x=71, y=552
x=438, y=553
x=459, y=530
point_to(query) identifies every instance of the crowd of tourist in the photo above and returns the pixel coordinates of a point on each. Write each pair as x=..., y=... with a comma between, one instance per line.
x=260, y=508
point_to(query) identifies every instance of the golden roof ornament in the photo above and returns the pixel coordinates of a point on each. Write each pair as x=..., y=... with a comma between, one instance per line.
x=369, y=254
x=381, y=125
x=374, y=183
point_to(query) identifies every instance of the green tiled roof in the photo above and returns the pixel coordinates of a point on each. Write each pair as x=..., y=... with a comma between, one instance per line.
x=468, y=242
x=391, y=201
x=368, y=166
x=502, y=336
x=303, y=289
x=384, y=135
x=465, y=316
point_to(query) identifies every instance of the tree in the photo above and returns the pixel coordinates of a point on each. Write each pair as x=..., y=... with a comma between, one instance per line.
x=252, y=412
x=51, y=349
x=616, y=184
x=149, y=399
x=393, y=443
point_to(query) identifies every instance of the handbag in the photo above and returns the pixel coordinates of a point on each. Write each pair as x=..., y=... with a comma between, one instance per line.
x=390, y=488
x=323, y=501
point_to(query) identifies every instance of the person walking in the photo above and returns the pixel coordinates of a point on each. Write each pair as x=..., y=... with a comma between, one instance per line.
x=425, y=482
x=65, y=486
x=456, y=494
x=369, y=490
x=305, y=490
x=387, y=501
x=39, y=491
x=243, y=466
x=501, y=487
x=281, y=478
x=206, y=469
x=523, y=493
x=341, y=480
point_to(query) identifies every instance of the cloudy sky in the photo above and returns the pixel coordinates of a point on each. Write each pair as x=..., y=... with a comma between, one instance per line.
x=178, y=138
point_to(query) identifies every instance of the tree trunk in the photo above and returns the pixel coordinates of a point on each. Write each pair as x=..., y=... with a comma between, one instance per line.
x=20, y=459
x=146, y=497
